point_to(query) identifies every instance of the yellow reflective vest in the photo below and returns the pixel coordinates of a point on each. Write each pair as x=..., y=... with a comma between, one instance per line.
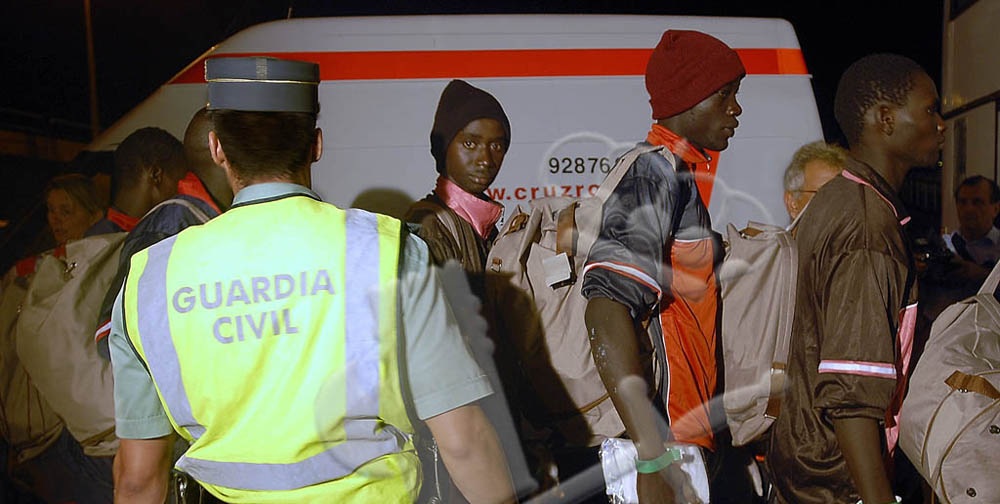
x=270, y=335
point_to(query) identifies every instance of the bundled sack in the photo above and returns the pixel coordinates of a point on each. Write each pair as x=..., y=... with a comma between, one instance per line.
x=536, y=261
x=950, y=419
x=54, y=338
x=27, y=422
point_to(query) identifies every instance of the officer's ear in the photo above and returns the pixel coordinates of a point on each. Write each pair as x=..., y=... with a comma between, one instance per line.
x=318, y=145
x=219, y=156
x=215, y=148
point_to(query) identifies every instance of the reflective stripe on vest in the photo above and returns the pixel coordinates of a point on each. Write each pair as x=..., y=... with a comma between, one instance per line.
x=362, y=359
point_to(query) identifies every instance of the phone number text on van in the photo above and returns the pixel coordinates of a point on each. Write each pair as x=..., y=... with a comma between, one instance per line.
x=578, y=165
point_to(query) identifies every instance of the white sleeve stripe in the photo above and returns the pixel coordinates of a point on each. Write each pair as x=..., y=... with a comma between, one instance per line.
x=629, y=271
x=877, y=369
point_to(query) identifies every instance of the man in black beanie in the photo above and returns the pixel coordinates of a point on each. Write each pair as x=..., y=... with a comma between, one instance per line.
x=457, y=220
x=469, y=139
x=460, y=104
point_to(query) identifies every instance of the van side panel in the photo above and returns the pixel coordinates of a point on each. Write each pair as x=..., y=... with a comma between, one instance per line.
x=970, y=41
x=969, y=98
x=572, y=86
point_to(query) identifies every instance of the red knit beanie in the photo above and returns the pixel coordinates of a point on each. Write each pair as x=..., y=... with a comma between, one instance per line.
x=685, y=68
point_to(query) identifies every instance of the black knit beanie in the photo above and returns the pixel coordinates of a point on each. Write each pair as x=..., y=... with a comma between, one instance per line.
x=460, y=104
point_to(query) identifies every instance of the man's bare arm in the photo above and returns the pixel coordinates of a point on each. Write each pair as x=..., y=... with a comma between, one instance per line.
x=473, y=455
x=615, y=346
x=142, y=470
x=860, y=441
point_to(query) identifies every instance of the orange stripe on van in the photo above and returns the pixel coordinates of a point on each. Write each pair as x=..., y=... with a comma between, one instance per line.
x=383, y=65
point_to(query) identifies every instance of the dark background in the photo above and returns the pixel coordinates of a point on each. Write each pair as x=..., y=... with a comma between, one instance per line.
x=139, y=45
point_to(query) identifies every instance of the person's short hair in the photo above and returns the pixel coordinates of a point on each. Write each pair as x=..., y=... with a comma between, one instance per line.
x=263, y=145
x=975, y=180
x=868, y=81
x=147, y=147
x=795, y=173
x=196, y=140
x=79, y=187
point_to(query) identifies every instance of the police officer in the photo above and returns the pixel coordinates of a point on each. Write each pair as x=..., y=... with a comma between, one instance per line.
x=287, y=339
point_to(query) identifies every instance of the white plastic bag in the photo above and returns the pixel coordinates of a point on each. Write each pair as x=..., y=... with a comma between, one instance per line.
x=618, y=462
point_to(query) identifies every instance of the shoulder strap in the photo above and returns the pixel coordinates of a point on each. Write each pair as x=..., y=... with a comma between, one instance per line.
x=566, y=231
x=200, y=215
x=444, y=215
x=621, y=168
x=972, y=383
x=447, y=217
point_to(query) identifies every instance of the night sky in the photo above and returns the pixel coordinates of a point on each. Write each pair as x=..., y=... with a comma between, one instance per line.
x=139, y=45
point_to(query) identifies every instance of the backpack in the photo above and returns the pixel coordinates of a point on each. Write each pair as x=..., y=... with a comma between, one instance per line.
x=54, y=334
x=53, y=338
x=949, y=423
x=28, y=423
x=758, y=279
x=532, y=272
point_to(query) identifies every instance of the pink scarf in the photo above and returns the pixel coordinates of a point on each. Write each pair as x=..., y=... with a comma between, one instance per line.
x=482, y=214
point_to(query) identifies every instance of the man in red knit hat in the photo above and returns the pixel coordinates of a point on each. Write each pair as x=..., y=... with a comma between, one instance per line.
x=653, y=261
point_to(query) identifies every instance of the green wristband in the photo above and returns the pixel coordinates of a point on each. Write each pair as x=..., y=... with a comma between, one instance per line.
x=670, y=456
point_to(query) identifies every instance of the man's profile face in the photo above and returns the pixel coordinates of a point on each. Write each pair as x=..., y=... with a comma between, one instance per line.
x=918, y=129
x=712, y=122
x=816, y=174
x=975, y=210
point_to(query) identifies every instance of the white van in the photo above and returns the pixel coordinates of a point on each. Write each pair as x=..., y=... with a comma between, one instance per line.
x=572, y=86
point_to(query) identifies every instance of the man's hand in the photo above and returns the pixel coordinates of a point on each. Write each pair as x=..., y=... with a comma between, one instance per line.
x=670, y=485
x=684, y=490
x=653, y=488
